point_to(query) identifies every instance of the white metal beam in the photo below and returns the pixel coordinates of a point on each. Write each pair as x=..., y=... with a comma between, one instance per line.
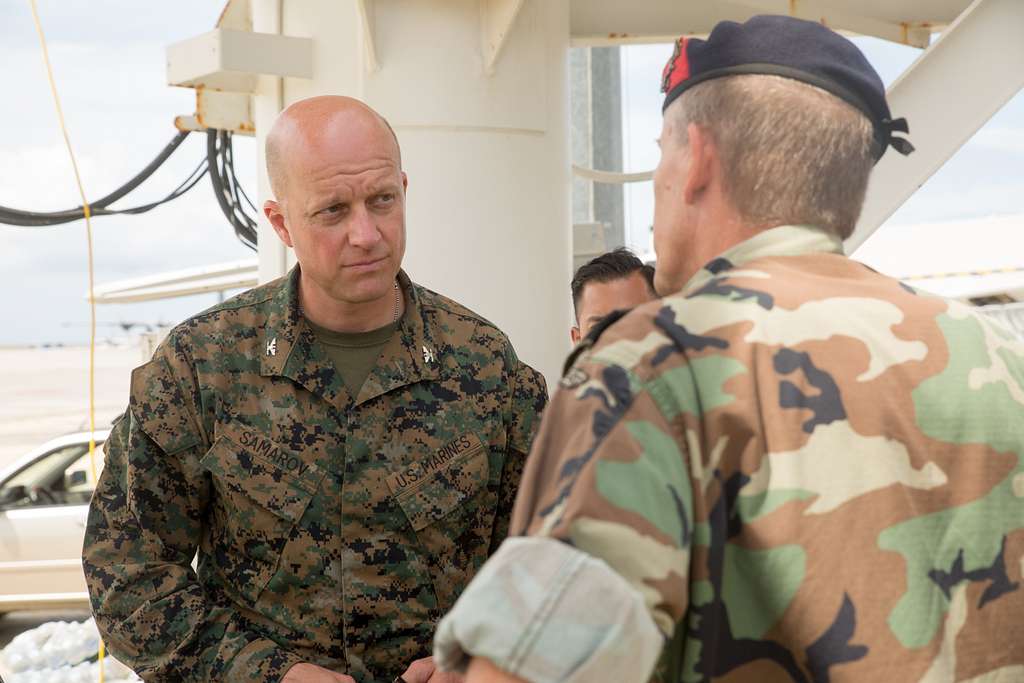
x=237, y=15
x=611, y=177
x=496, y=20
x=366, y=17
x=836, y=18
x=231, y=60
x=603, y=22
x=267, y=17
x=956, y=86
x=609, y=22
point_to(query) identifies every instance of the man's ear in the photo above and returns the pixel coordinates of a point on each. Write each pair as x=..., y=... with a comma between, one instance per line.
x=575, y=335
x=700, y=170
x=272, y=210
x=405, y=182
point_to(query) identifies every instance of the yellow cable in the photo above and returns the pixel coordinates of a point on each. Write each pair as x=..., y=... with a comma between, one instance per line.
x=88, y=235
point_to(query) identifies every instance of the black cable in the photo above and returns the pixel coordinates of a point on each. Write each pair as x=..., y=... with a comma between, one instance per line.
x=144, y=173
x=220, y=162
x=214, y=163
x=45, y=218
x=184, y=187
x=239, y=191
x=190, y=182
x=248, y=201
x=229, y=168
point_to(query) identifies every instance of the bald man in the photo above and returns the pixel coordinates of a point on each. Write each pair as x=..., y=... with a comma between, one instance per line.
x=341, y=446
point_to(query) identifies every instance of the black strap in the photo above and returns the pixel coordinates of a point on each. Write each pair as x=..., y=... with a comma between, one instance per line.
x=592, y=336
x=900, y=125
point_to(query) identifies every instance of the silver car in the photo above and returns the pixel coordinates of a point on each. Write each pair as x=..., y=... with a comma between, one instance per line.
x=44, y=500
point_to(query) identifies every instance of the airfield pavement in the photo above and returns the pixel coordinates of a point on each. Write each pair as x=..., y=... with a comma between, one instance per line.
x=44, y=392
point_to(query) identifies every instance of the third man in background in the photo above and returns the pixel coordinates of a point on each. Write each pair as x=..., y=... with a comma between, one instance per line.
x=613, y=281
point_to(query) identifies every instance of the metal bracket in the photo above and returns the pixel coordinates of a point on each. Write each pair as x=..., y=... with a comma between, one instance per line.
x=827, y=14
x=224, y=111
x=366, y=17
x=231, y=60
x=496, y=19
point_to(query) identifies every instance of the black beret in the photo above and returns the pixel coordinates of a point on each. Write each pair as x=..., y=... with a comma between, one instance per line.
x=794, y=48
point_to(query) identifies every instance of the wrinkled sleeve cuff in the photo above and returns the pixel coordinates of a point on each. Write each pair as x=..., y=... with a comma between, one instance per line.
x=261, y=660
x=545, y=611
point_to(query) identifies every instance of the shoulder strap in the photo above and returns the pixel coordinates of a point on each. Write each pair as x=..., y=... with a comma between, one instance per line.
x=592, y=336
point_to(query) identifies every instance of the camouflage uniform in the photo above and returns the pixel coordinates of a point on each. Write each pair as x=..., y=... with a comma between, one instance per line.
x=813, y=470
x=329, y=530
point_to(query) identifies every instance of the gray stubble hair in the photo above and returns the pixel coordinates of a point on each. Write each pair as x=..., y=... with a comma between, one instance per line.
x=791, y=153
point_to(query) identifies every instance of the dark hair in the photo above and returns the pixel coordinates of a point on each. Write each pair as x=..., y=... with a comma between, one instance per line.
x=614, y=265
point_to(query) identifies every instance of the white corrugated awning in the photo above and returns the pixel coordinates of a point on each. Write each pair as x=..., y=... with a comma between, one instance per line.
x=200, y=280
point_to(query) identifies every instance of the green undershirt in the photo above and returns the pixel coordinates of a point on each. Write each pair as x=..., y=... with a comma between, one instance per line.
x=354, y=354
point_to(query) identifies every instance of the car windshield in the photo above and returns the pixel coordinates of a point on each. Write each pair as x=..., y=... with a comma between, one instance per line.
x=60, y=477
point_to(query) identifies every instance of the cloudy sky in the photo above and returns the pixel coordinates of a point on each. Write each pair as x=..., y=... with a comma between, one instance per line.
x=109, y=62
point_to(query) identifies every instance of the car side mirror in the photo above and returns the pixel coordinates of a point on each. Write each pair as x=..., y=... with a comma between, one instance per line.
x=77, y=478
x=11, y=495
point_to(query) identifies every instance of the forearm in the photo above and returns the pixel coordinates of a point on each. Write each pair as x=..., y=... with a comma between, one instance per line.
x=482, y=670
x=153, y=614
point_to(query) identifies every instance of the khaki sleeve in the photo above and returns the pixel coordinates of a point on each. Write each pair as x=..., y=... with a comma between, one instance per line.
x=610, y=475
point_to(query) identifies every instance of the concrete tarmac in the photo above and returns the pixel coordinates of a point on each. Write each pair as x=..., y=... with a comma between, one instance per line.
x=44, y=392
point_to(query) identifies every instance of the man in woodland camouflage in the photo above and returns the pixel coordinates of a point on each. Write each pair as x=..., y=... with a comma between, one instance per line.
x=791, y=468
x=342, y=446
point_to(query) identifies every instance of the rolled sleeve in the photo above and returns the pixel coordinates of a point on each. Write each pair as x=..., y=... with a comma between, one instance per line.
x=544, y=611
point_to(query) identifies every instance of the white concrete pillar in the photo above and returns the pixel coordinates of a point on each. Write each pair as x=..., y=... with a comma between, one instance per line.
x=487, y=156
x=267, y=103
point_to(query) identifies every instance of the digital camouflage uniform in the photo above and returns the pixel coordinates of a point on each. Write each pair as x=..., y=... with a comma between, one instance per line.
x=814, y=470
x=329, y=530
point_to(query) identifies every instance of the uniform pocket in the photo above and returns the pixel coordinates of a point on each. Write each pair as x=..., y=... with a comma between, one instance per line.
x=255, y=506
x=448, y=506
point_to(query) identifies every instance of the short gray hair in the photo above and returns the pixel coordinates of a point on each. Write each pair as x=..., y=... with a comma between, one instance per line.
x=791, y=153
